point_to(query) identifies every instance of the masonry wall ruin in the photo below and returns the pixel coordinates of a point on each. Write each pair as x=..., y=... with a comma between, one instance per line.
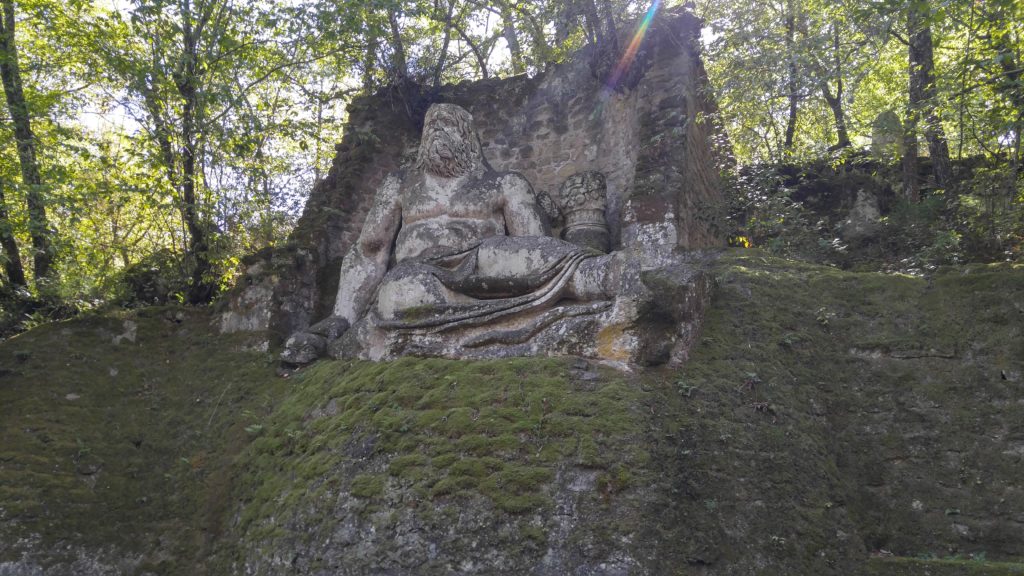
x=653, y=137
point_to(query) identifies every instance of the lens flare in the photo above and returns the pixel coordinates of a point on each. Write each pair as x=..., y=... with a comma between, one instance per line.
x=634, y=46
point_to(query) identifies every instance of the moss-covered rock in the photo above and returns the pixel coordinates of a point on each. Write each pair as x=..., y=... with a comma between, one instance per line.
x=116, y=437
x=825, y=420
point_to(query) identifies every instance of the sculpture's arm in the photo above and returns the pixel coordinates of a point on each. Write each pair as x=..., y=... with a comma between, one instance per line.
x=523, y=214
x=367, y=259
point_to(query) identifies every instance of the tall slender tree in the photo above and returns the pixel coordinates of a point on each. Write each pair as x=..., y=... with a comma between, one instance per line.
x=922, y=105
x=31, y=179
x=792, y=71
x=835, y=99
x=11, y=254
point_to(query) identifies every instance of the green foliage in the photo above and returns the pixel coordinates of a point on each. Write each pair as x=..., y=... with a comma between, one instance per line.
x=118, y=93
x=759, y=54
x=104, y=84
x=799, y=211
x=763, y=213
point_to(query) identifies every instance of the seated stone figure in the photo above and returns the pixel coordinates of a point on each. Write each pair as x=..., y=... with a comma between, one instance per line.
x=451, y=245
x=457, y=260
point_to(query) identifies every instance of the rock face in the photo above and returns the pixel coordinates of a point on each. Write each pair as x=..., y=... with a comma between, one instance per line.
x=863, y=219
x=651, y=142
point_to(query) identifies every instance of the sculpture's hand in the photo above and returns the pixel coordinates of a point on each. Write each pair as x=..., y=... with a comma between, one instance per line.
x=523, y=213
x=304, y=347
x=330, y=328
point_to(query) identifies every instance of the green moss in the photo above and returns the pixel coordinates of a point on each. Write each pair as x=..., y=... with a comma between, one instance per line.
x=400, y=464
x=367, y=486
x=870, y=408
x=806, y=384
x=534, y=534
x=895, y=566
x=496, y=429
x=127, y=445
x=614, y=481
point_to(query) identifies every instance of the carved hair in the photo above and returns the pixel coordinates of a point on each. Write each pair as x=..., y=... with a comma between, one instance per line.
x=449, y=146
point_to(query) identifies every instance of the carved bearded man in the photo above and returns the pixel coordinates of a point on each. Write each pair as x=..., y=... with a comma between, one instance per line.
x=471, y=246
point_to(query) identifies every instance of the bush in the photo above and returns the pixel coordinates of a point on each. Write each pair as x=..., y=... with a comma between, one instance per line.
x=158, y=279
x=797, y=211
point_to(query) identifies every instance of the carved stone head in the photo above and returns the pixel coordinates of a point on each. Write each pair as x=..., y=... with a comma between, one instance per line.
x=449, y=146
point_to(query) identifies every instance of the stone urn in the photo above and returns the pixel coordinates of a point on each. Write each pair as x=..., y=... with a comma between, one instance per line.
x=582, y=200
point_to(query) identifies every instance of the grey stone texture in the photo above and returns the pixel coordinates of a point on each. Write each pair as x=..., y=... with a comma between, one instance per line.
x=864, y=219
x=654, y=142
x=303, y=348
x=887, y=136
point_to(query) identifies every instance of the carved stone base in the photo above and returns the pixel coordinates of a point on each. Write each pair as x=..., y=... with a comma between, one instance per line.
x=653, y=325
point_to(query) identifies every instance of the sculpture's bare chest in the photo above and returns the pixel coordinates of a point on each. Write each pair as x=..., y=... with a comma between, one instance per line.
x=474, y=198
x=447, y=216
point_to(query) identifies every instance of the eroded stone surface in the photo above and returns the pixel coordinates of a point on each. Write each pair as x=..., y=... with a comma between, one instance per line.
x=864, y=218
x=303, y=348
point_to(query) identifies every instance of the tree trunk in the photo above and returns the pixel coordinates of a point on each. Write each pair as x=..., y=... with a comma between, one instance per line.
x=444, y=44
x=398, y=60
x=911, y=186
x=593, y=22
x=610, y=27
x=514, y=48
x=1012, y=85
x=922, y=91
x=39, y=228
x=481, y=62
x=606, y=44
x=791, y=82
x=835, y=103
x=200, y=288
x=12, y=256
x=369, y=62
x=563, y=21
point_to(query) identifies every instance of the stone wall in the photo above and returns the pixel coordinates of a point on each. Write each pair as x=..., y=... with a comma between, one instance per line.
x=652, y=138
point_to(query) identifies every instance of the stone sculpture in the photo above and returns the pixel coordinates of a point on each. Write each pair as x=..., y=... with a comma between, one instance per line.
x=456, y=259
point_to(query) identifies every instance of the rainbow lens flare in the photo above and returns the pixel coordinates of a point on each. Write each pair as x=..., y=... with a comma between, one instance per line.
x=634, y=45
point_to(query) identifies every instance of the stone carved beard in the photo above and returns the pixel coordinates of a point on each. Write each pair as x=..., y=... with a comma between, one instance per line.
x=449, y=146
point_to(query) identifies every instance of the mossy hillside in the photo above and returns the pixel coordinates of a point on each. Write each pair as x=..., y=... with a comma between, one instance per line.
x=823, y=415
x=124, y=446
x=938, y=567
x=889, y=405
x=750, y=456
x=429, y=433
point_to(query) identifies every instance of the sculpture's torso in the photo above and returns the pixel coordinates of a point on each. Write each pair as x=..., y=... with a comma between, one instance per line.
x=444, y=216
